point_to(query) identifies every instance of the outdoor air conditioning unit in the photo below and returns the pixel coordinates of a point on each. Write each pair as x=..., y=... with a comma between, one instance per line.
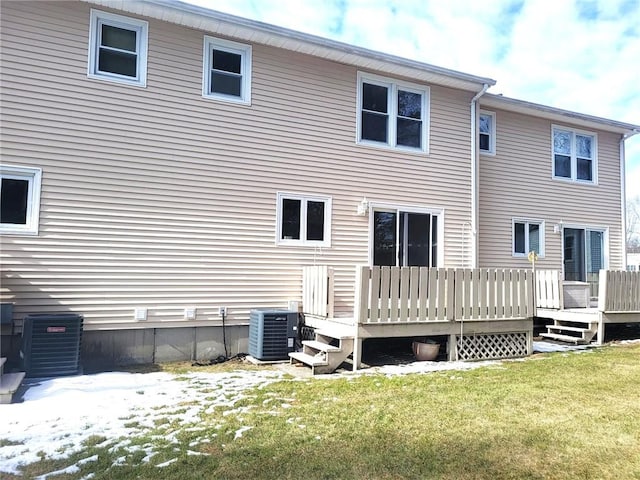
x=272, y=334
x=51, y=345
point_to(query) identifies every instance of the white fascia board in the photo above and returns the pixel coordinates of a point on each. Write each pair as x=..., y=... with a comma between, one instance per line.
x=211, y=21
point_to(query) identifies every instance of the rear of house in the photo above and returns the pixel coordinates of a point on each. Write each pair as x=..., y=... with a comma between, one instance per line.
x=553, y=180
x=170, y=168
x=165, y=169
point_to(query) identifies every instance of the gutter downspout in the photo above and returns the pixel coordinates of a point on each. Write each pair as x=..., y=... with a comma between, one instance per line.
x=623, y=194
x=474, y=177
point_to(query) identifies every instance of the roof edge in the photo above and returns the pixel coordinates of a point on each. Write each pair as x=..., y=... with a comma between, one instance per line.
x=516, y=105
x=176, y=6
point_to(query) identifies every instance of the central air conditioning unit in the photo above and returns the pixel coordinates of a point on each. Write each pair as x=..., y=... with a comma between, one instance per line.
x=272, y=334
x=51, y=345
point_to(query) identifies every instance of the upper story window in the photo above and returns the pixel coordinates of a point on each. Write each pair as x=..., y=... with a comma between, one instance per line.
x=227, y=70
x=118, y=48
x=528, y=236
x=303, y=220
x=487, y=132
x=392, y=113
x=574, y=155
x=19, y=199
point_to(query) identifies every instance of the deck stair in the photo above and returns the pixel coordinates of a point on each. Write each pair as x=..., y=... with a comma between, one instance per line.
x=9, y=383
x=326, y=352
x=574, y=331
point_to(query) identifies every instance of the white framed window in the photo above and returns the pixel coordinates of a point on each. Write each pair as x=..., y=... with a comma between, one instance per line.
x=303, y=220
x=118, y=48
x=392, y=113
x=574, y=155
x=19, y=199
x=226, y=70
x=487, y=132
x=528, y=236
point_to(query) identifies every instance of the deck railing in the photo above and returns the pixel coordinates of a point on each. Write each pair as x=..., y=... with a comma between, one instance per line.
x=421, y=294
x=493, y=294
x=549, y=289
x=619, y=291
x=317, y=290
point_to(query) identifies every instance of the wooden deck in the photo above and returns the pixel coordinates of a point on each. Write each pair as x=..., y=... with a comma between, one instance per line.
x=484, y=313
x=618, y=301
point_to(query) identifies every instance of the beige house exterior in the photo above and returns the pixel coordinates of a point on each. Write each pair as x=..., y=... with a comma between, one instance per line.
x=153, y=201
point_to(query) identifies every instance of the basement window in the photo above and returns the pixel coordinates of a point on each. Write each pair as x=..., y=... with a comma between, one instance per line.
x=19, y=199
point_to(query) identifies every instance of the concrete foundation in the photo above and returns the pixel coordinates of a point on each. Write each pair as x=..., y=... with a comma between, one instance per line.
x=108, y=349
x=102, y=350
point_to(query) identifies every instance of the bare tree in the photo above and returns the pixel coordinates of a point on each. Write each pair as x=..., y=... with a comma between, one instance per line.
x=632, y=236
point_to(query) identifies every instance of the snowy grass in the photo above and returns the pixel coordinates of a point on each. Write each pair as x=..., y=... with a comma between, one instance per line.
x=571, y=415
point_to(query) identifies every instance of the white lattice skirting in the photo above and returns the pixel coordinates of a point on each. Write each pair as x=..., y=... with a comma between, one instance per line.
x=492, y=346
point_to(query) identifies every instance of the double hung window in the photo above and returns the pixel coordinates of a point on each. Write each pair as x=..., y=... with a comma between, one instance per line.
x=118, y=48
x=227, y=70
x=574, y=155
x=487, y=132
x=392, y=113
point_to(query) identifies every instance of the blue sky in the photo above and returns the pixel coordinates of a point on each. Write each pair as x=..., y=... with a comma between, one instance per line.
x=581, y=55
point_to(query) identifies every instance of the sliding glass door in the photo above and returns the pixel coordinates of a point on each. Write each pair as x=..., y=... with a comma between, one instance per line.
x=583, y=255
x=405, y=238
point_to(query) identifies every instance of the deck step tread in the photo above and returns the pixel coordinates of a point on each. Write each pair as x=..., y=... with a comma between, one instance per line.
x=562, y=338
x=10, y=382
x=567, y=328
x=323, y=347
x=334, y=333
x=310, y=360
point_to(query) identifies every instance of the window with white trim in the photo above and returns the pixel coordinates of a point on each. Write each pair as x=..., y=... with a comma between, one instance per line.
x=528, y=236
x=118, y=48
x=19, y=199
x=392, y=113
x=303, y=220
x=227, y=70
x=487, y=132
x=574, y=155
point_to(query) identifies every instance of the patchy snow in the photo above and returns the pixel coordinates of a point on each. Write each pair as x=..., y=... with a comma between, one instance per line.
x=548, y=347
x=70, y=469
x=167, y=463
x=240, y=431
x=626, y=342
x=426, y=367
x=59, y=415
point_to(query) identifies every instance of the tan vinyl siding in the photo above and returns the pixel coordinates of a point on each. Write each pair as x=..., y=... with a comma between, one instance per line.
x=157, y=197
x=517, y=182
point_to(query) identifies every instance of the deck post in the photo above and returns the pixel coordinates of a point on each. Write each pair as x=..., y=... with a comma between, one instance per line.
x=357, y=350
x=453, y=348
x=602, y=291
x=600, y=336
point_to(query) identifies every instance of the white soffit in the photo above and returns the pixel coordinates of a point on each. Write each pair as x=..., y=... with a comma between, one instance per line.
x=213, y=22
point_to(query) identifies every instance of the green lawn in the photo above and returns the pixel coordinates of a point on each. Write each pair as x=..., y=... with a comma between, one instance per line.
x=552, y=416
